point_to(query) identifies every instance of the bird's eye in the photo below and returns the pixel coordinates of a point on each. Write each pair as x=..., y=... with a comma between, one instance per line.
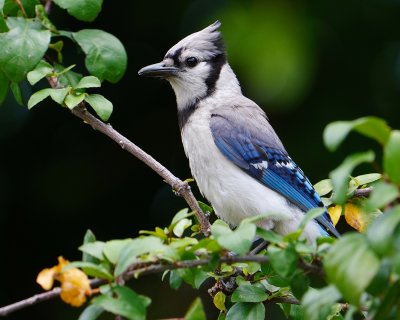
x=191, y=62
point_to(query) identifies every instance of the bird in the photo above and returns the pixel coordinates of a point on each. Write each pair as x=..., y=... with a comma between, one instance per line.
x=237, y=160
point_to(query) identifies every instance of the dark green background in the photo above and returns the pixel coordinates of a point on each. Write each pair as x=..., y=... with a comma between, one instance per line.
x=307, y=63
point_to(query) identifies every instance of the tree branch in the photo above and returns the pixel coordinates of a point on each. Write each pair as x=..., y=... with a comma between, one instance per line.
x=182, y=188
x=37, y=298
x=148, y=268
x=364, y=192
x=41, y=297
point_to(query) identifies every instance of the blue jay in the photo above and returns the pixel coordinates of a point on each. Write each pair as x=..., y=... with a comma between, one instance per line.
x=235, y=156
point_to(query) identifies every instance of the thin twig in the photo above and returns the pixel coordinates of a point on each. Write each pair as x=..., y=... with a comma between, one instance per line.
x=157, y=268
x=288, y=300
x=37, y=298
x=181, y=187
x=41, y=297
x=21, y=6
x=364, y=192
x=47, y=6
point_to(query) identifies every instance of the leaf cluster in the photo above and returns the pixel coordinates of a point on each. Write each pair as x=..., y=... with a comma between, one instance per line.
x=29, y=42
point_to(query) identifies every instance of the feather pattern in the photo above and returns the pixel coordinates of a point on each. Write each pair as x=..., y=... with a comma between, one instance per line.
x=269, y=163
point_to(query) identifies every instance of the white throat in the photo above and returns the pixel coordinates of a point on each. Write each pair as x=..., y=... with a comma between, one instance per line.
x=190, y=89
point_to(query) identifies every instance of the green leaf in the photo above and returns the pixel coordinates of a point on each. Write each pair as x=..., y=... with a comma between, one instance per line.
x=89, y=238
x=381, y=232
x=391, y=157
x=91, y=269
x=3, y=24
x=84, y=10
x=58, y=95
x=186, y=242
x=205, y=207
x=16, y=90
x=127, y=303
x=248, y=293
x=135, y=248
x=371, y=127
x=389, y=304
x=319, y=304
x=4, y=83
x=196, y=311
x=88, y=82
x=269, y=235
x=239, y=240
x=296, y=312
x=181, y=226
x=350, y=265
x=382, y=194
x=67, y=78
x=323, y=187
x=91, y=312
x=278, y=281
x=41, y=70
x=100, y=105
x=175, y=279
x=380, y=282
x=341, y=175
x=181, y=214
x=311, y=215
x=246, y=311
x=105, y=55
x=22, y=47
x=113, y=248
x=94, y=249
x=1, y=4
x=11, y=8
x=41, y=14
x=299, y=284
x=38, y=97
x=219, y=301
x=73, y=99
x=367, y=178
x=283, y=261
x=194, y=276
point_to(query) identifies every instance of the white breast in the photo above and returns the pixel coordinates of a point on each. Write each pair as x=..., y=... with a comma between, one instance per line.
x=233, y=194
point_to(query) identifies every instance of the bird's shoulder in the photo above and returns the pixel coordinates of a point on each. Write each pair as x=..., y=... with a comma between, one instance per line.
x=243, y=118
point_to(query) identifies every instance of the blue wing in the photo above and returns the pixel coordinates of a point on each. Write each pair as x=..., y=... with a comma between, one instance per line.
x=262, y=156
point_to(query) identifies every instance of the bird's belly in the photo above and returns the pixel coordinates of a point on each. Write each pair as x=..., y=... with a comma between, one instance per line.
x=233, y=194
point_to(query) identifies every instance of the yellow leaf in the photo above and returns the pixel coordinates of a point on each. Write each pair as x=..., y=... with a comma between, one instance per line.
x=46, y=277
x=219, y=301
x=335, y=213
x=75, y=286
x=355, y=216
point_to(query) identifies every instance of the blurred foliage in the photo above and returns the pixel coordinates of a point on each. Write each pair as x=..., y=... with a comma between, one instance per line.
x=322, y=60
x=273, y=43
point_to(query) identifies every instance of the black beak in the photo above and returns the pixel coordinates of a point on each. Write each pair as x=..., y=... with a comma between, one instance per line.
x=158, y=70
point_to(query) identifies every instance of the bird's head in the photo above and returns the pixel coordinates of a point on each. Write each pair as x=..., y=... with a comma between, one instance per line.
x=193, y=65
